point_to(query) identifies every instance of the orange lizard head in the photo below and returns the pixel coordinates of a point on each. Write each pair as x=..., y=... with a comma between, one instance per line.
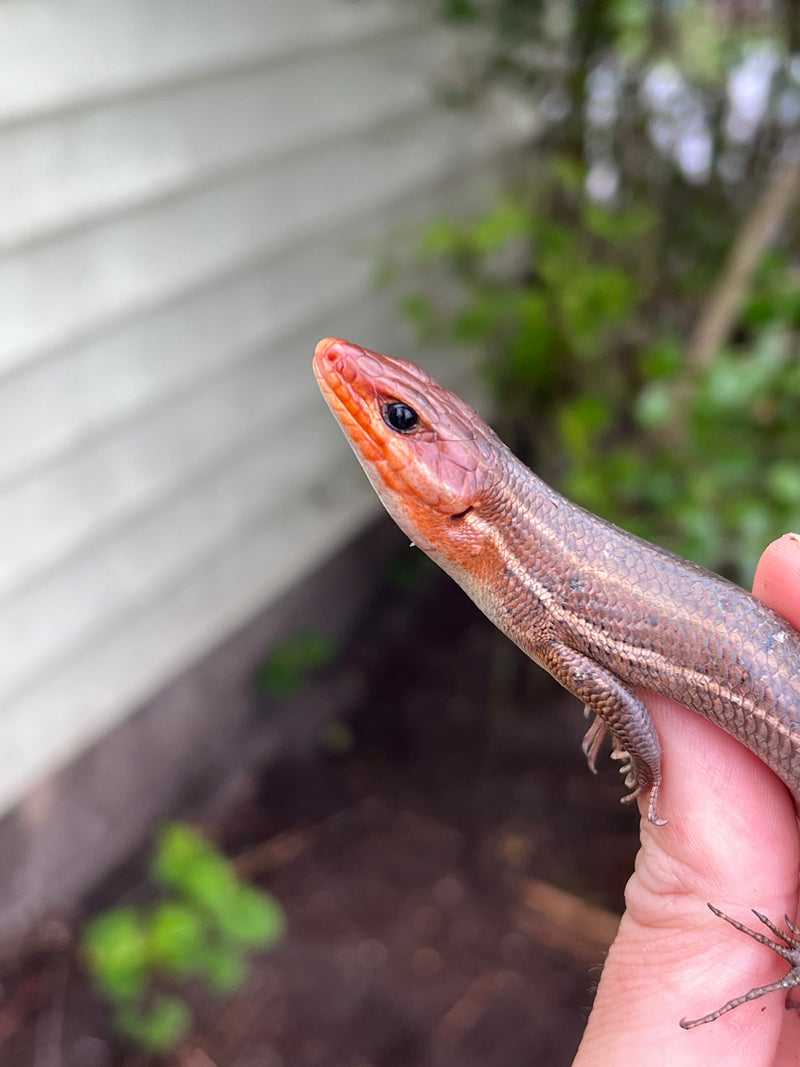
x=426, y=452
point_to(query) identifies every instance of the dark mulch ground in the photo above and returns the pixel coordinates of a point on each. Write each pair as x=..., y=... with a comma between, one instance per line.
x=410, y=867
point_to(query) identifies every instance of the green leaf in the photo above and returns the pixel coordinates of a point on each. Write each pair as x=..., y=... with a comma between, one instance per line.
x=188, y=863
x=567, y=173
x=177, y=937
x=418, y=309
x=506, y=222
x=653, y=407
x=224, y=967
x=116, y=949
x=580, y=422
x=212, y=884
x=252, y=918
x=459, y=10
x=617, y=227
x=442, y=238
x=534, y=341
x=557, y=254
x=178, y=849
x=662, y=359
x=479, y=318
x=158, y=1028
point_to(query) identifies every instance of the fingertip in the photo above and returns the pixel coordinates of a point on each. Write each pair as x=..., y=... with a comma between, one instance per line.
x=777, y=578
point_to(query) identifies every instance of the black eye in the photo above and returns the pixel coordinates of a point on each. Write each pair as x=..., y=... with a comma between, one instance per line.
x=400, y=416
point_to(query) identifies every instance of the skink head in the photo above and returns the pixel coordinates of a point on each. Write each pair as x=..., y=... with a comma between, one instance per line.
x=426, y=452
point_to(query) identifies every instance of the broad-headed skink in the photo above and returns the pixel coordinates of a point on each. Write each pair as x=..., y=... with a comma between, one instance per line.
x=602, y=610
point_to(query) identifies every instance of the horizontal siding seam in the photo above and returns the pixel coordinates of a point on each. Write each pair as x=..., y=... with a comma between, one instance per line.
x=163, y=593
x=26, y=355
x=147, y=505
x=133, y=693
x=265, y=60
x=143, y=507
x=107, y=324
x=204, y=181
x=100, y=432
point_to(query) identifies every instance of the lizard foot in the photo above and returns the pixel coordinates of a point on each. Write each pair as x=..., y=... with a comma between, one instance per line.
x=788, y=948
x=638, y=787
x=592, y=742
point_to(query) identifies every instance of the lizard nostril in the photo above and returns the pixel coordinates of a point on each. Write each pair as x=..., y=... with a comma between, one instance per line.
x=329, y=348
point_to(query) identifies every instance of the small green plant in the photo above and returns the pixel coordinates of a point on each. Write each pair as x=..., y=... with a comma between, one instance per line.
x=203, y=927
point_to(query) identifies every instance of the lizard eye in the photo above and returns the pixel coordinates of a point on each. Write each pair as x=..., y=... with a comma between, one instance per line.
x=400, y=416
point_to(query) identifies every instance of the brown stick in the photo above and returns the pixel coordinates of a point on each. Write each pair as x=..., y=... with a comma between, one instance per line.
x=561, y=920
x=722, y=307
x=733, y=285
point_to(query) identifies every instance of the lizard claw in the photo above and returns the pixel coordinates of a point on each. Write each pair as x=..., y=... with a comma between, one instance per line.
x=593, y=739
x=637, y=786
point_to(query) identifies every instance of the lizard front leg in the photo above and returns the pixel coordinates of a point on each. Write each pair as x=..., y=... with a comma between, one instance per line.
x=619, y=710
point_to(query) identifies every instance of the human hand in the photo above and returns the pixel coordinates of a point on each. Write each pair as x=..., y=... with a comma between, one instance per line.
x=732, y=839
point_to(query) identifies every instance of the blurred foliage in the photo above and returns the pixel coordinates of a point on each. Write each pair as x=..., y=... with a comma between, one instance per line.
x=655, y=128
x=203, y=928
x=291, y=663
x=336, y=738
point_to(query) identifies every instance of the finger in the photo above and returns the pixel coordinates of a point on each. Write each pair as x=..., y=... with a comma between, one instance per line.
x=777, y=580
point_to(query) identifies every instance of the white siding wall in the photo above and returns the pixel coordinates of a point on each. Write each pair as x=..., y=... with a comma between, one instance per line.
x=191, y=193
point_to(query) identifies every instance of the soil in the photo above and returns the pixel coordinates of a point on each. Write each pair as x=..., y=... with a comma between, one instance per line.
x=422, y=852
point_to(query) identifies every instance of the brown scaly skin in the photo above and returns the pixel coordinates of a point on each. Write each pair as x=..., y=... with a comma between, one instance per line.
x=600, y=609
